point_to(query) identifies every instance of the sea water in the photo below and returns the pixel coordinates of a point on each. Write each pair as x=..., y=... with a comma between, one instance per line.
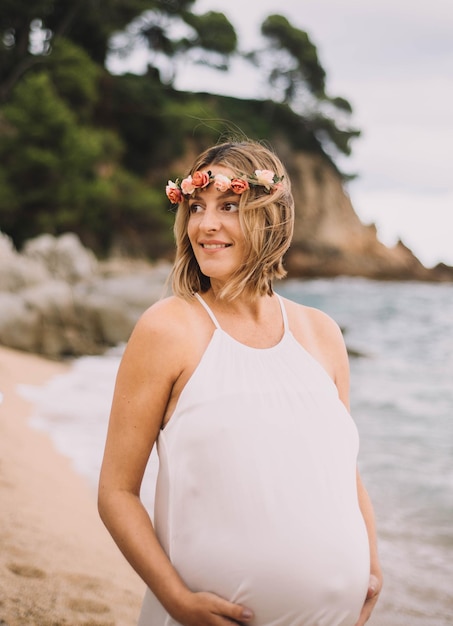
x=401, y=398
x=402, y=401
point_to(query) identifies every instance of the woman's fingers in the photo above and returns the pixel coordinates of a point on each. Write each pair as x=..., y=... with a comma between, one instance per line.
x=208, y=609
x=235, y=612
x=374, y=589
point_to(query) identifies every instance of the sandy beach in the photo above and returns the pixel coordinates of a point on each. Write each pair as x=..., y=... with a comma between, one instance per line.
x=58, y=565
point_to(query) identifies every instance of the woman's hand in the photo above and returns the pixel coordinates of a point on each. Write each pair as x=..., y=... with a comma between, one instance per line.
x=207, y=609
x=374, y=589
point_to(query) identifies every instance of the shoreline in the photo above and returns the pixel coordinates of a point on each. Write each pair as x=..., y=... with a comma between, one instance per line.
x=58, y=564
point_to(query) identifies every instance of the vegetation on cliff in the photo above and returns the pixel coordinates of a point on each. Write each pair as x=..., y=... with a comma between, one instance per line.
x=87, y=151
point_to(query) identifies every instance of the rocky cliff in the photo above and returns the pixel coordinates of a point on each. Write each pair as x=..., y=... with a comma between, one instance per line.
x=330, y=239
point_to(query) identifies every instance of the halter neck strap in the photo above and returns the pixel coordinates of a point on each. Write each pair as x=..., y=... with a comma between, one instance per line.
x=217, y=325
x=284, y=314
x=208, y=310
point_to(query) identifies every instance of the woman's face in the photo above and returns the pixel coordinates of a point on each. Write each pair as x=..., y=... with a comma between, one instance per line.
x=215, y=231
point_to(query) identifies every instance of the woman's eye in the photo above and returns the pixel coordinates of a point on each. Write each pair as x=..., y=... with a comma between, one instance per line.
x=230, y=207
x=195, y=208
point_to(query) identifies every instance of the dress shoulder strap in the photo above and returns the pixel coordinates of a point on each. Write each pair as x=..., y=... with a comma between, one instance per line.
x=217, y=325
x=208, y=310
x=284, y=314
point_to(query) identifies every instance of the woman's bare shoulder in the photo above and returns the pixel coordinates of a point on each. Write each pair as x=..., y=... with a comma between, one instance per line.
x=162, y=332
x=321, y=336
x=168, y=316
x=313, y=319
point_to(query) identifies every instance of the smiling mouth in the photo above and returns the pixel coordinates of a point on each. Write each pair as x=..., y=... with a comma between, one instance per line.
x=215, y=246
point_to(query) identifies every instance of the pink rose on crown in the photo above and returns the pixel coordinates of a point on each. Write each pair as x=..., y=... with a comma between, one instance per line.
x=265, y=178
x=239, y=185
x=222, y=183
x=187, y=186
x=277, y=187
x=200, y=179
x=173, y=192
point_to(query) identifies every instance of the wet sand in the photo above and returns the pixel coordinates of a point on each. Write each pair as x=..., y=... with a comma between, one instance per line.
x=58, y=565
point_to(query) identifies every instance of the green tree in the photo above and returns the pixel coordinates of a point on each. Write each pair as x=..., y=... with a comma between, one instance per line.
x=29, y=32
x=60, y=175
x=209, y=39
x=75, y=77
x=51, y=161
x=293, y=69
x=294, y=62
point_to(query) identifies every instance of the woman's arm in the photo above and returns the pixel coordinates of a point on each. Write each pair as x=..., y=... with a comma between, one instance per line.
x=152, y=363
x=375, y=584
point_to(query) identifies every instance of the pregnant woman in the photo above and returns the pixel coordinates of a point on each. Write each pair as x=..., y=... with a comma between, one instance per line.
x=260, y=514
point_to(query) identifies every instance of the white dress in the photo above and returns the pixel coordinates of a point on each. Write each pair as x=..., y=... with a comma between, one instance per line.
x=256, y=496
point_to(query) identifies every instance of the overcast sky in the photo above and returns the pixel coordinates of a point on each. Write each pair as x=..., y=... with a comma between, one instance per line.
x=393, y=60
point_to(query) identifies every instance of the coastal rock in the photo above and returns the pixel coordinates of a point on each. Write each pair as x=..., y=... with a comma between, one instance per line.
x=329, y=238
x=19, y=325
x=72, y=305
x=64, y=257
x=17, y=271
x=113, y=304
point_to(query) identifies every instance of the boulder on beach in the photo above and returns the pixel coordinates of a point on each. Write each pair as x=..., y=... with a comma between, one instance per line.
x=58, y=300
x=64, y=257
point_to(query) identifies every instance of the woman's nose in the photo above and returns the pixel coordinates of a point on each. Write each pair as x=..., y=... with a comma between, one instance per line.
x=210, y=219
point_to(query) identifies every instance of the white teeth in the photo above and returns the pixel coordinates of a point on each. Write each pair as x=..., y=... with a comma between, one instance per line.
x=213, y=246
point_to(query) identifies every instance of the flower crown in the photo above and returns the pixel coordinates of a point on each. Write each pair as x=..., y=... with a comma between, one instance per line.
x=180, y=189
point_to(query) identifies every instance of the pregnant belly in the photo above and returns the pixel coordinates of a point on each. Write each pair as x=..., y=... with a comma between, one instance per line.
x=318, y=582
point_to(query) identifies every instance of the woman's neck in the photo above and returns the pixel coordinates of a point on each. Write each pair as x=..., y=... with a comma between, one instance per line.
x=246, y=305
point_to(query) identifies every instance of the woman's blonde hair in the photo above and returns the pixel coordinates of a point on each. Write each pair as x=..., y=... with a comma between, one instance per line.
x=267, y=220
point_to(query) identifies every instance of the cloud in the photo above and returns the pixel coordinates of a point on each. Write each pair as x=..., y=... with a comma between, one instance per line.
x=423, y=221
